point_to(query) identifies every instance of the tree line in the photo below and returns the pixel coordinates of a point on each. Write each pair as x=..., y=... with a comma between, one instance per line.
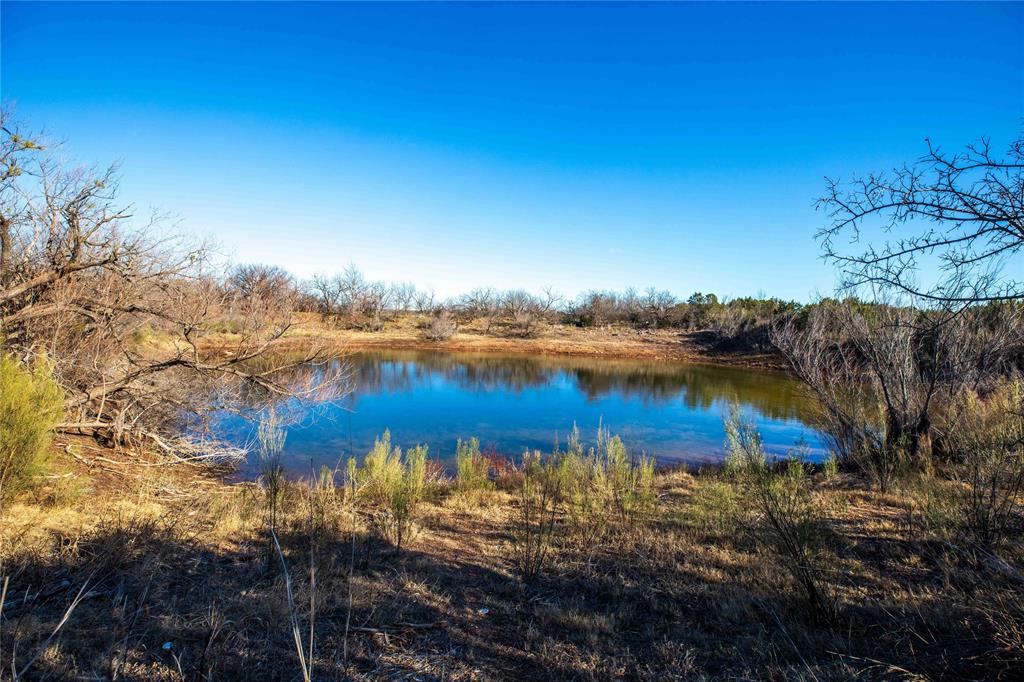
x=350, y=300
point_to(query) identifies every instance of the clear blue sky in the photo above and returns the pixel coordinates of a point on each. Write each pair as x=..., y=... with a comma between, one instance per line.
x=582, y=146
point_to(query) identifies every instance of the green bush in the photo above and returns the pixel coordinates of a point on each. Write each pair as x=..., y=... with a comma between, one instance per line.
x=31, y=404
x=379, y=477
x=630, y=481
x=394, y=484
x=407, y=495
x=603, y=480
x=584, y=489
x=830, y=468
x=472, y=469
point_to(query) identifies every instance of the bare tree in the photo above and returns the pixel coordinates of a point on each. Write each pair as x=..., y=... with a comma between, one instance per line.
x=88, y=288
x=549, y=301
x=526, y=310
x=961, y=213
x=880, y=372
x=483, y=303
x=326, y=291
x=425, y=301
x=258, y=280
x=441, y=326
x=403, y=295
x=657, y=306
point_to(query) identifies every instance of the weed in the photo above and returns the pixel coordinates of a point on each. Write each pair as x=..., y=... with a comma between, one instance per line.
x=792, y=525
x=394, y=484
x=987, y=452
x=715, y=507
x=601, y=481
x=533, y=527
x=830, y=468
x=270, y=436
x=472, y=469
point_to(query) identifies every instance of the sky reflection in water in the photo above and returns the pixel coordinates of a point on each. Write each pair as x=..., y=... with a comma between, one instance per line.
x=670, y=410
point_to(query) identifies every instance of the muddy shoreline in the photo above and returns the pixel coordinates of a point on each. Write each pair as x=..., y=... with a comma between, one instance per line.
x=612, y=343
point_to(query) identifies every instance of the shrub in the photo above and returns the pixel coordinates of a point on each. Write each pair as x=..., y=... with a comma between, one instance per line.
x=472, y=468
x=601, y=480
x=408, y=495
x=533, y=527
x=31, y=404
x=392, y=483
x=326, y=504
x=986, y=446
x=379, y=477
x=441, y=326
x=885, y=463
x=270, y=437
x=583, y=488
x=630, y=481
x=830, y=468
x=790, y=522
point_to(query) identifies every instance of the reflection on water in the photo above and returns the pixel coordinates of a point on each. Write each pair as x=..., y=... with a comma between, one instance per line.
x=670, y=410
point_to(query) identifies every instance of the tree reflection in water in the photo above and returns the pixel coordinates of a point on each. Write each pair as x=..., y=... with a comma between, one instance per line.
x=511, y=402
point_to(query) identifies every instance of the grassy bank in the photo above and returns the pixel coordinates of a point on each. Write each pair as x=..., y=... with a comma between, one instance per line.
x=175, y=581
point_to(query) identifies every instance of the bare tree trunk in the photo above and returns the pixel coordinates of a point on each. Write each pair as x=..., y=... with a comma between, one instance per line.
x=5, y=248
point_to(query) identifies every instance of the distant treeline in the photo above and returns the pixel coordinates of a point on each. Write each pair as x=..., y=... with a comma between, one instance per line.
x=350, y=300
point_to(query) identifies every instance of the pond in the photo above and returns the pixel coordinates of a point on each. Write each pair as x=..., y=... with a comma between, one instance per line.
x=670, y=410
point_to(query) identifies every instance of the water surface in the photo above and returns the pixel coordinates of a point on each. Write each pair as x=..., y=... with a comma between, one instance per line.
x=670, y=410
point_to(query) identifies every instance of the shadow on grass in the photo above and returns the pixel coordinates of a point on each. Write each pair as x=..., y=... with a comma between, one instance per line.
x=160, y=604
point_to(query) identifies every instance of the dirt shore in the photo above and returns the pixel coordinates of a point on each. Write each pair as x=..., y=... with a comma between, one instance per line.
x=604, y=342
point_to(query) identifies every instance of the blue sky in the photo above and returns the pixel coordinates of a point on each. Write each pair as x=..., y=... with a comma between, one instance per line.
x=454, y=145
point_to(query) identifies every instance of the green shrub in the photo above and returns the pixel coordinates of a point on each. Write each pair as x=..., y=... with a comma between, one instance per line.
x=326, y=504
x=601, y=481
x=886, y=463
x=715, y=507
x=408, y=494
x=393, y=484
x=789, y=518
x=31, y=404
x=472, y=469
x=630, y=481
x=830, y=468
x=381, y=473
x=584, y=490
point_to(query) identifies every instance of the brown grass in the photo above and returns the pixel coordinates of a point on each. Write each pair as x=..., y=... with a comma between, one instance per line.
x=174, y=556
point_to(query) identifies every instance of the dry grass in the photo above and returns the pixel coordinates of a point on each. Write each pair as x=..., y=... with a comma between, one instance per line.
x=179, y=589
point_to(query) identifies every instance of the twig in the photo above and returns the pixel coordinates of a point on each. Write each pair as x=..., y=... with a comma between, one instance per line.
x=3, y=595
x=292, y=611
x=67, y=614
x=28, y=599
x=400, y=627
x=351, y=568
